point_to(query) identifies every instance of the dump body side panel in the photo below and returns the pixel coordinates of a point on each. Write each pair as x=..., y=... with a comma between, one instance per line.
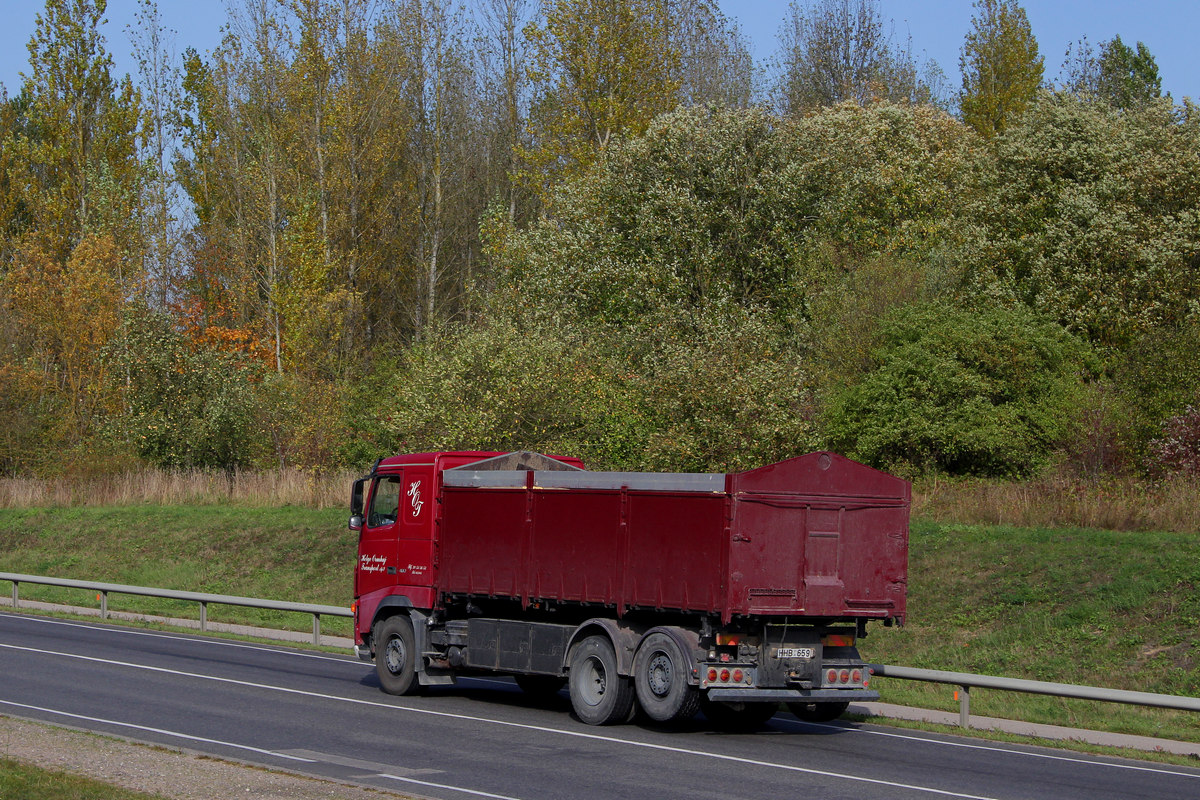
x=624, y=540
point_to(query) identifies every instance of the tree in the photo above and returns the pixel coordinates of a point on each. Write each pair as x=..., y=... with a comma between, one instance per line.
x=1086, y=214
x=1119, y=75
x=1001, y=67
x=153, y=48
x=1127, y=79
x=602, y=69
x=439, y=89
x=715, y=63
x=506, y=96
x=68, y=311
x=839, y=50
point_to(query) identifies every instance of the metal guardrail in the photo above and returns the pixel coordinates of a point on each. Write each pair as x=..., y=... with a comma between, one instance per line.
x=203, y=598
x=965, y=681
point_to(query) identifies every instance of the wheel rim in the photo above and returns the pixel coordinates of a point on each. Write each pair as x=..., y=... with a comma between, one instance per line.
x=659, y=674
x=594, y=683
x=395, y=656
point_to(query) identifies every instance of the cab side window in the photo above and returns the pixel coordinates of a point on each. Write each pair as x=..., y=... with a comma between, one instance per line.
x=385, y=501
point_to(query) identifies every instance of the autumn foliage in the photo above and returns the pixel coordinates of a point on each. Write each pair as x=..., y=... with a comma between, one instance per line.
x=583, y=227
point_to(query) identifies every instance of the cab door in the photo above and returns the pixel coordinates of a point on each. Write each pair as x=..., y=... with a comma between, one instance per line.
x=378, y=549
x=415, y=527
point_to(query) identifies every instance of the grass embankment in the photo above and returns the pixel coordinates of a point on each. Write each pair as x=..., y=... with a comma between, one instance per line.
x=1104, y=608
x=21, y=782
x=298, y=554
x=1091, y=607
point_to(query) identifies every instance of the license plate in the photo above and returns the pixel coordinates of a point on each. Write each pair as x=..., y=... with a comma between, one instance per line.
x=794, y=652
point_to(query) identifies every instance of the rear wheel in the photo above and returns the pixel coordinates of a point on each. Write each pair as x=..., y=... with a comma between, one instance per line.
x=661, y=680
x=737, y=716
x=598, y=694
x=395, y=656
x=818, y=712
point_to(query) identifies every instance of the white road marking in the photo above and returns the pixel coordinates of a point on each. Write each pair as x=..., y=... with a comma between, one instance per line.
x=525, y=726
x=989, y=748
x=444, y=786
x=163, y=731
x=582, y=734
x=200, y=638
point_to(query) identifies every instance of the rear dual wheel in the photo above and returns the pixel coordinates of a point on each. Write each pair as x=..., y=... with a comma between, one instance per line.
x=661, y=680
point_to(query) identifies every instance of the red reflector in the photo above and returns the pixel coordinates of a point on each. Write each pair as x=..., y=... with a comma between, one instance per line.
x=845, y=676
x=728, y=638
x=724, y=675
x=712, y=674
x=737, y=676
x=838, y=640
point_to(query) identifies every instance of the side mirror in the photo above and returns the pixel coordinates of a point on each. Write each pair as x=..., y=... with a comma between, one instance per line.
x=356, y=498
x=356, y=522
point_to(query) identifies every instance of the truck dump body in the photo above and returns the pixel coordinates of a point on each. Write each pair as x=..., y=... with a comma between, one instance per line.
x=814, y=536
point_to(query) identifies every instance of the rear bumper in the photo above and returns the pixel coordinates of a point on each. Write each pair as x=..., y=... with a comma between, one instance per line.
x=793, y=695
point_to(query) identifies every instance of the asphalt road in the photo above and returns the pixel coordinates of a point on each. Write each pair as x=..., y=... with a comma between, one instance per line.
x=324, y=715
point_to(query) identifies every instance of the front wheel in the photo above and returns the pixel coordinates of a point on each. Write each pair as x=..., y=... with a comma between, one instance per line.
x=598, y=694
x=395, y=656
x=661, y=680
x=818, y=712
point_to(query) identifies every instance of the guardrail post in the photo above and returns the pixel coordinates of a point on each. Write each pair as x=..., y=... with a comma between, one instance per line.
x=964, y=706
x=317, y=629
x=203, y=616
x=15, y=585
x=104, y=605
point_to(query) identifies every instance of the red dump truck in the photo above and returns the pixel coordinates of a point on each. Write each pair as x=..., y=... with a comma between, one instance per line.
x=672, y=592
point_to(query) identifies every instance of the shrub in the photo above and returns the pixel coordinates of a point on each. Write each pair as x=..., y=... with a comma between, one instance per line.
x=1178, y=449
x=185, y=406
x=952, y=390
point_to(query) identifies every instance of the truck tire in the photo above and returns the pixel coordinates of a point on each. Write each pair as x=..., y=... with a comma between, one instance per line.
x=660, y=679
x=540, y=687
x=598, y=694
x=818, y=712
x=737, y=716
x=396, y=656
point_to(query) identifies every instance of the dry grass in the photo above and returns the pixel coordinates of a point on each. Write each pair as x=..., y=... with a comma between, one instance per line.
x=1049, y=502
x=1121, y=505
x=271, y=488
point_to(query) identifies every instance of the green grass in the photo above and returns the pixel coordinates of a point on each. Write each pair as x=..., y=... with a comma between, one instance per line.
x=1093, y=607
x=20, y=781
x=293, y=553
x=1099, y=608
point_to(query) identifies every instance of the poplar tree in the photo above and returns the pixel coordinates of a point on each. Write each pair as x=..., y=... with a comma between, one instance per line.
x=83, y=171
x=602, y=69
x=1001, y=67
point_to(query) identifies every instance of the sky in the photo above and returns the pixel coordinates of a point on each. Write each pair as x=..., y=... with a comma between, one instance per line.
x=937, y=28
